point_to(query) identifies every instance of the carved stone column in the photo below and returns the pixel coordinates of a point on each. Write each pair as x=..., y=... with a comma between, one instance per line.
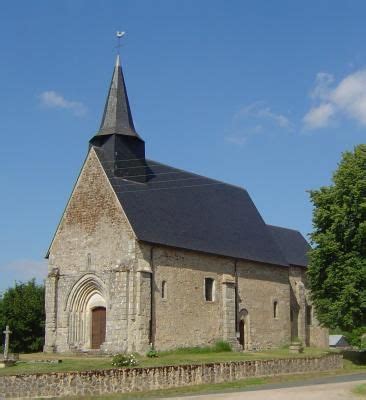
x=228, y=308
x=301, y=299
x=143, y=306
x=51, y=311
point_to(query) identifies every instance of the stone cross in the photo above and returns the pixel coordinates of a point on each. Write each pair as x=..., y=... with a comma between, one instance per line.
x=7, y=333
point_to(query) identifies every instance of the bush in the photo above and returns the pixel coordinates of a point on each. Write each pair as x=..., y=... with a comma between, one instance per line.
x=222, y=346
x=363, y=342
x=124, y=360
x=354, y=337
x=358, y=357
x=152, y=353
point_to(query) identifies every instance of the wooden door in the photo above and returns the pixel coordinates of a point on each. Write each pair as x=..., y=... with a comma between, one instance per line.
x=98, y=327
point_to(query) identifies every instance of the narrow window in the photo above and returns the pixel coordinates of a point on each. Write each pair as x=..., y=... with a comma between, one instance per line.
x=275, y=309
x=88, y=261
x=163, y=290
x=291, y=315
x=209, y=289
x=309, y=316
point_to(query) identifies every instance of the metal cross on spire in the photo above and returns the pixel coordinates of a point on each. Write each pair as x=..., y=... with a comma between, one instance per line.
x=119, y=36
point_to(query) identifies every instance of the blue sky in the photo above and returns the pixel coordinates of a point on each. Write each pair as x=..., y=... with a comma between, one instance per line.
x=265, y=95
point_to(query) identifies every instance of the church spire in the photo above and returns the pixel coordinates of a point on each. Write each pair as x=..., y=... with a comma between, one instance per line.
x=117, y=140
x=117, y=117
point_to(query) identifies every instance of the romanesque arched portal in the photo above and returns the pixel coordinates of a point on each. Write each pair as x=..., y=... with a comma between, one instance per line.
x=87, y=307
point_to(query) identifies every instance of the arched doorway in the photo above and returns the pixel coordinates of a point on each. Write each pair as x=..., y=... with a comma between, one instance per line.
x=87, y=314
x=244, y=337
x=98, y=327
x=242, y=332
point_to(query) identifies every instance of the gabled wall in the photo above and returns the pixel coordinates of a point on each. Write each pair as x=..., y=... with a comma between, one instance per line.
x=94, y=239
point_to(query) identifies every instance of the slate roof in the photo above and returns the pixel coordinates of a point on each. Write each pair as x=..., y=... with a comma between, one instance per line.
x=117, y=116
x=292, y=244
x=181, y=209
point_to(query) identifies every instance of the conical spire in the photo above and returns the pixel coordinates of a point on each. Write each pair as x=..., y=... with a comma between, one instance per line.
x=117, y=117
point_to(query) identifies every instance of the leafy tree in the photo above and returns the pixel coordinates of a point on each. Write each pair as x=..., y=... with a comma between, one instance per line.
x=337, y=268
x=22, y=308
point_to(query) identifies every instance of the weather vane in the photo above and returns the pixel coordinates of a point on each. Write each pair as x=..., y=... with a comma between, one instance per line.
x=119, y=36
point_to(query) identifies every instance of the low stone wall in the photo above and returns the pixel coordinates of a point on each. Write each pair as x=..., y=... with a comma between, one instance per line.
x=125, y=380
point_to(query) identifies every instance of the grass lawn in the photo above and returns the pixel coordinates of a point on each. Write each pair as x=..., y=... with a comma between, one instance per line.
x=27, y=364
x=360, y=390
x=71, y=362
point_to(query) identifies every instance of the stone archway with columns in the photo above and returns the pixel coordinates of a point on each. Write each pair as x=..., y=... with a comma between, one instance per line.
x=87, y=294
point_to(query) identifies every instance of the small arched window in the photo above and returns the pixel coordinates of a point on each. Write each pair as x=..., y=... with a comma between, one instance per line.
x=163, y=290
x=275, y=309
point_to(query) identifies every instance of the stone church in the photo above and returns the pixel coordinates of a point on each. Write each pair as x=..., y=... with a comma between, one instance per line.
x=146, y=253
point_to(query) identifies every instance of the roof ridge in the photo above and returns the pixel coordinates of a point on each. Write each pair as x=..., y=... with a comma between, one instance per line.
x=284, y=227
x=198, y=175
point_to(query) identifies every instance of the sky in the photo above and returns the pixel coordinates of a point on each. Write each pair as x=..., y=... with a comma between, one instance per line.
x=264, y=95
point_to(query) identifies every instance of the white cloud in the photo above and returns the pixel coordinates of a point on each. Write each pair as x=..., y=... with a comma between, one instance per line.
x=53, y=99
x=318, y=117
x=255, y=119
x=350, y=96
x=259, y=111
x=347, y=99
x=323, y=82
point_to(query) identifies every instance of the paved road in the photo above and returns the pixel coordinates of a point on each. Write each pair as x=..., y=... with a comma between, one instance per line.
x=330, y=388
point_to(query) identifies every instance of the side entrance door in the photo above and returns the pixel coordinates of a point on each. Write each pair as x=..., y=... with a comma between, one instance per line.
x=242, y=333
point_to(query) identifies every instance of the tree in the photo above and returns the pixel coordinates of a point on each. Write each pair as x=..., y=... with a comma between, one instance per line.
x=22, y=308
x=337, y=268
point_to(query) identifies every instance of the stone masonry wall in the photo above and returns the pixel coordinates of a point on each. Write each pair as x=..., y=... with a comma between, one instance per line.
x=93, y=223
x=94, y=239
x=184, y=318
x=313, y=334
x=144, y=379
x=259, y=286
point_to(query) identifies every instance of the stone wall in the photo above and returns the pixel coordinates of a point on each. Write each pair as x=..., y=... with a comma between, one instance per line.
x=259, y=287
x=93, y=243
x=93, y=223
x=144, y=379
x=311, y=333
x=184, y=318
